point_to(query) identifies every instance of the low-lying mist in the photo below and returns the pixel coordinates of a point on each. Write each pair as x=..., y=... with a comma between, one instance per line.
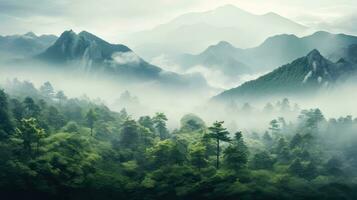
x=147, y=98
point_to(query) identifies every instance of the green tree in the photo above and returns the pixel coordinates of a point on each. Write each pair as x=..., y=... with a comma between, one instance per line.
x=55, y=118
x=160, y=125
x=310, y=171
x=198, y=156
x=262, y=160
x=165, y=153
x=61, y=97
x=123, y=114
x=191, y=122
x=282, y=150
x=267, y=139
x=310, y=119
x=6, y=125
x=91, y=119
x=17, y=109
x=296, y=141
x=333, y=166
x=71, y=127
x=47, y=90
x=297, y=168
x=31, y=109
x=129, y=134
x=274, y=127
x=30, y=133
x=147, y=122
x=68, y=161
x=236, y=154
x=218, y=133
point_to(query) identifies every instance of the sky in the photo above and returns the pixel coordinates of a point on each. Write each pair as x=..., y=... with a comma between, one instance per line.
x=114, y=19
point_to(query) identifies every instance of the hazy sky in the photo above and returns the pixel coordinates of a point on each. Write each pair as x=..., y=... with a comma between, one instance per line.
x=114, y=18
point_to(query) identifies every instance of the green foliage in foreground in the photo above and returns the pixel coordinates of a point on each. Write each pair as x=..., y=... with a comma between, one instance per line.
x=52, y=147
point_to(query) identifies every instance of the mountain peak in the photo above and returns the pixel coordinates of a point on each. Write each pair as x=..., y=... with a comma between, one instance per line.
x=321, y=33
x=230, y=8
x=271, y=14
x=69, y=33
x=86, y=34
x=83, y=46
x=314, y=54
x=316, y=60
x=30, y=34
x=224, y=44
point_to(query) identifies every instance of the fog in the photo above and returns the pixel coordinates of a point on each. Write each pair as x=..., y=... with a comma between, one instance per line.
x=147, y=98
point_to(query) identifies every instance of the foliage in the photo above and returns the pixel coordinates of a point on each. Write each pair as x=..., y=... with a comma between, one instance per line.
x=48, y=151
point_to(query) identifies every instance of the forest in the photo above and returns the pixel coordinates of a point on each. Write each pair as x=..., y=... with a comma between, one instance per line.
x=56, y=147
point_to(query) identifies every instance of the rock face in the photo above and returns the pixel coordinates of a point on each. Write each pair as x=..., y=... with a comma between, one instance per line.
x=308, y=73
x=82, y=46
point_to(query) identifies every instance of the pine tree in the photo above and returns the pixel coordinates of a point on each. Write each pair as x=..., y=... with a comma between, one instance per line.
x=218, y=133
x=236, y=154
x=129, y=133
x=160, y=125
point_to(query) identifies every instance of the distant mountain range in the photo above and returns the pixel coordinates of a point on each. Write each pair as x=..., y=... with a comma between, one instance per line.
x=273, y=52
x=192, y=32
x=305, y=74
x=94, y=56
x=20, y=46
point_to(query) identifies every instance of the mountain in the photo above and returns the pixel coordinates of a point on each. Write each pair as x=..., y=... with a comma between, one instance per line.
x=192, y=32
x=274, y=51
x=89, y=54
x=305, y=74
x=348, y=54
x=285, y=48
x=221, y=57
x=72, y=46
x=20, y=46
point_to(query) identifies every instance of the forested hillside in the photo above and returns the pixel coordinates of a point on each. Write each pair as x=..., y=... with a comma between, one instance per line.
x=55, y=147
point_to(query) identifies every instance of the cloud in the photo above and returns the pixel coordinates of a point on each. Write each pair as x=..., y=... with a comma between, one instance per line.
x=166, y=63
x=123, y=58
x=218, y=79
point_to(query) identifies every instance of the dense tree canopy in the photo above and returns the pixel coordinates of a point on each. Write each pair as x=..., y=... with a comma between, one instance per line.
x=48, y=150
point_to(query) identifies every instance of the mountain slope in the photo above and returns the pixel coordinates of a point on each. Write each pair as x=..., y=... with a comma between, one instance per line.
x=71, y=46
x=348, y=53
x=274, y=51
x=221, y=57
x=193, y=32
x=285, y=48
x=20, y=46
x=302, y=75
x=88, y=54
